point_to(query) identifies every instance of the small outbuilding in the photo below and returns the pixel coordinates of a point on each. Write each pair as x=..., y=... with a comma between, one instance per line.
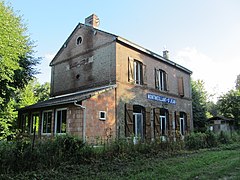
x=220, y=123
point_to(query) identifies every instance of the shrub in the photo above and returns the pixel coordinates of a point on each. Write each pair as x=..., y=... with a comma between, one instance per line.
x=211, y=139
x=224, y=138
x=196, y=141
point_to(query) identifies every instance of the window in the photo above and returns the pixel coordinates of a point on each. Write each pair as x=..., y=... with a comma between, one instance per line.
x=182, y=122
x=138, y=124
x=102, y=115
x=79, y=40
x=163, y=121
x=60, y=121
x=47, y=122
x=34, y=123
x=161, y=80
x=25, y=122
x=136, y=121
x=136, y=72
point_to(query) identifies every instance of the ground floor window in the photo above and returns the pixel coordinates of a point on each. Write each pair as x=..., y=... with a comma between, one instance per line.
x=34, y=123
x=163, y=121
x=60, y=121
x=25, y=122
x=47, y=122
x=182, y=122
x=138, y=120
x=138, y=124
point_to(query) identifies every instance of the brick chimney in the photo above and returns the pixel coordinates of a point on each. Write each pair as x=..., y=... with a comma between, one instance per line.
x=92, y=20
x=166, y=54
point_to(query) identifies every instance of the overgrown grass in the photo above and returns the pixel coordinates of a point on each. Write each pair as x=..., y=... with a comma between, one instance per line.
x=219, y=163
x=66, y=157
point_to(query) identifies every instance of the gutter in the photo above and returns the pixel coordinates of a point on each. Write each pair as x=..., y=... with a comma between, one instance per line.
x=84, y=119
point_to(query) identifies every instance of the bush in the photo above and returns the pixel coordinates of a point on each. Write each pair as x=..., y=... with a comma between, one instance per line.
x=196, y=141
x=224, y=138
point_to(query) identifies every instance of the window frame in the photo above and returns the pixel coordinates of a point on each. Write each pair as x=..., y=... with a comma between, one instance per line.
x=33, y=122
x=136, y=124
x=161, y=80
x=56, y=121
x=182, y=123
x=105, y=115
x=47, y=133
x=138, y=72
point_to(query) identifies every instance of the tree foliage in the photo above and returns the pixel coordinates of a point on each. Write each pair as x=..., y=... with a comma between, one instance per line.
x=16, y=54
x=229, y=105
x=32, y=93
x=237, y=82
x=199, y=97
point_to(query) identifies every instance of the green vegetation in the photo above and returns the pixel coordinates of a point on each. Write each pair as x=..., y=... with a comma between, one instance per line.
x=67, y=157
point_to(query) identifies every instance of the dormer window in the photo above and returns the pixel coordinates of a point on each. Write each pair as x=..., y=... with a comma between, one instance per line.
x=79, y=40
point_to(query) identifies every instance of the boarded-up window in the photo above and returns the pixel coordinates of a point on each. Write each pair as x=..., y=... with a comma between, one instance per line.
x=180, y=86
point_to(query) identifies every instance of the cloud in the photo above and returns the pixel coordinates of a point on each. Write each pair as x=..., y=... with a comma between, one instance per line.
x=218, y=75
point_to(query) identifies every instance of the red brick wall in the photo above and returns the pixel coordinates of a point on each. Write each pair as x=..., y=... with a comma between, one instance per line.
x=97, y=130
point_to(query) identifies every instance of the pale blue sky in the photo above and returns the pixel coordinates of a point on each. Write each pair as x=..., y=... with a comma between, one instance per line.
x=202, y=35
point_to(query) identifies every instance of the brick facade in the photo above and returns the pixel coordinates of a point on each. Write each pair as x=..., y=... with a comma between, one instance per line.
x=94, y=74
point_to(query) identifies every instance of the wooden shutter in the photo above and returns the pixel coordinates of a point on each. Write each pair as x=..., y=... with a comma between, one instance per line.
x=170, y=124
x=129, y=126
x=188, y=122
x=177, y=121
x=167, y=83
x=180, y=86
x=148, y=123
x=157, y=131
x=130, y=69
x=144, y=74
x=156, y=79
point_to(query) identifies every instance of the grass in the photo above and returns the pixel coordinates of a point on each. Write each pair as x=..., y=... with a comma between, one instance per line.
x=218, y=163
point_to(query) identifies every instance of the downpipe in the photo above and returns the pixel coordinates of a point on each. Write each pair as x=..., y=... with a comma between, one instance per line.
x=84, y=119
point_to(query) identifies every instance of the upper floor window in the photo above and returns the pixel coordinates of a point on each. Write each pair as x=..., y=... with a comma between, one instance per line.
x=161, y=80
x=136, y=72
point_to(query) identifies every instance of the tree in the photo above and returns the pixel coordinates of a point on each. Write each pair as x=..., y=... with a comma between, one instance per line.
x=229, y=105
x=238, y=82
x=17, y=66
x=199, y=97
x=32, y=93
x=16, y=54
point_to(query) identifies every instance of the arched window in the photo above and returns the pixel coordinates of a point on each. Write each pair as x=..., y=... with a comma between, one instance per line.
x=161, y=80
x=79, y=40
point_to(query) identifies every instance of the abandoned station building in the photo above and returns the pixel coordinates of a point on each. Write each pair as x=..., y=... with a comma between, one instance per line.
x=104, y=86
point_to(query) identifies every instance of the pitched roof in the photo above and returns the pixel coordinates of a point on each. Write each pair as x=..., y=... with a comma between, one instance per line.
x=128, y=43
x=69, y=98
x=220, y=118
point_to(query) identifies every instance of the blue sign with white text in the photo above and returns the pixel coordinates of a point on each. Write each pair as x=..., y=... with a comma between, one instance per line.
x=161, y=98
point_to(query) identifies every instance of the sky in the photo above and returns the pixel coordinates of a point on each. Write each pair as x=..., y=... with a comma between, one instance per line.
x=201, y=35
